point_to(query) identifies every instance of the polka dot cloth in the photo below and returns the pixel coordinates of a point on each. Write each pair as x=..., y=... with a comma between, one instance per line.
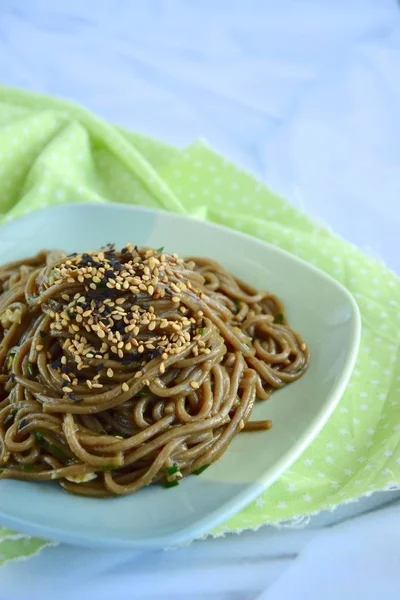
x=53, y=151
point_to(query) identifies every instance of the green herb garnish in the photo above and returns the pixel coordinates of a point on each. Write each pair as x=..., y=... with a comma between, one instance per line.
x=10, y=417
x=57, y=451
x=142, y=393
x=71, y=313
x=52, y=275
x=31, y=369
x=28, y=468
x=202, y=330
x=101, y=284
x=22, y=423
x=170, y=484
x=160, y=249
x=1, y=471
x=172, y=470
x=200, y=470
x=10, y=359
x=49, y=447
x=279, y=318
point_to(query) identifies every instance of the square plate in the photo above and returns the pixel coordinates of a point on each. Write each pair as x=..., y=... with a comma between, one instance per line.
x=321, y=309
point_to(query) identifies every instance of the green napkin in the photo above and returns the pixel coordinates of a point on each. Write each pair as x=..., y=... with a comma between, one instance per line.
x=53, y=151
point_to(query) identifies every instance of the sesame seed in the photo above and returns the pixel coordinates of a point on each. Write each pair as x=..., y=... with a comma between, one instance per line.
x=39, y=347
x=194, y=385
x=175, y=299
x=125, y=387
x=162, y=368
x=67, y=390
x=110, y=373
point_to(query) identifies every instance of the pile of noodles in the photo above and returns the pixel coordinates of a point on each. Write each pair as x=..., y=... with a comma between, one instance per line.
x=123, y=367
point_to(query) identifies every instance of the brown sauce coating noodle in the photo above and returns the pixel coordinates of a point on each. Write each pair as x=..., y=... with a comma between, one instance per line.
x=121, y=368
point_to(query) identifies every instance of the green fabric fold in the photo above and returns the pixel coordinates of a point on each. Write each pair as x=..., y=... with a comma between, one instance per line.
x=53, y=151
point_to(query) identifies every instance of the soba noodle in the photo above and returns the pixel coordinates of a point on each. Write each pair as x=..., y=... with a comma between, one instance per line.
x=121, y=368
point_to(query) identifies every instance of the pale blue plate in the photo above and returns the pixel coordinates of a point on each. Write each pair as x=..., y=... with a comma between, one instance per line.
x=321, y=309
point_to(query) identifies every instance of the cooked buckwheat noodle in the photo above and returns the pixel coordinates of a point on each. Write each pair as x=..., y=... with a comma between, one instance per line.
x=122, y=368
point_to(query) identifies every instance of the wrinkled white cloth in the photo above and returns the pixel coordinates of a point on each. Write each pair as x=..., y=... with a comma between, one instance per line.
x=304, y=93
x=357, y=560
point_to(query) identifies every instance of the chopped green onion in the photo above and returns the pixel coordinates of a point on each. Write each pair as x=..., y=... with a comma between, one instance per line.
x=10, y=359
x=38, y=435
x=31, y=369
x=170, y=484
x=142, y=393
x=200, y=470
x=279, y=318
x=51, y=448
x=22, y=423
x=52, y=274
x=1, y=471
x=58, y=452
x=28, y=468
x=160, y=249
x=10, y=417
x=101, y=284
x=172, y=470
x=202, y=330
x=71, y=313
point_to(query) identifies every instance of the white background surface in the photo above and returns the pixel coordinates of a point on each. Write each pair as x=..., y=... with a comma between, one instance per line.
x=306, y=94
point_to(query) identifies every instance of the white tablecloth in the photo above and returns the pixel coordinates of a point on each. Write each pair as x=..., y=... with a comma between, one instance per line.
x=306, y=94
